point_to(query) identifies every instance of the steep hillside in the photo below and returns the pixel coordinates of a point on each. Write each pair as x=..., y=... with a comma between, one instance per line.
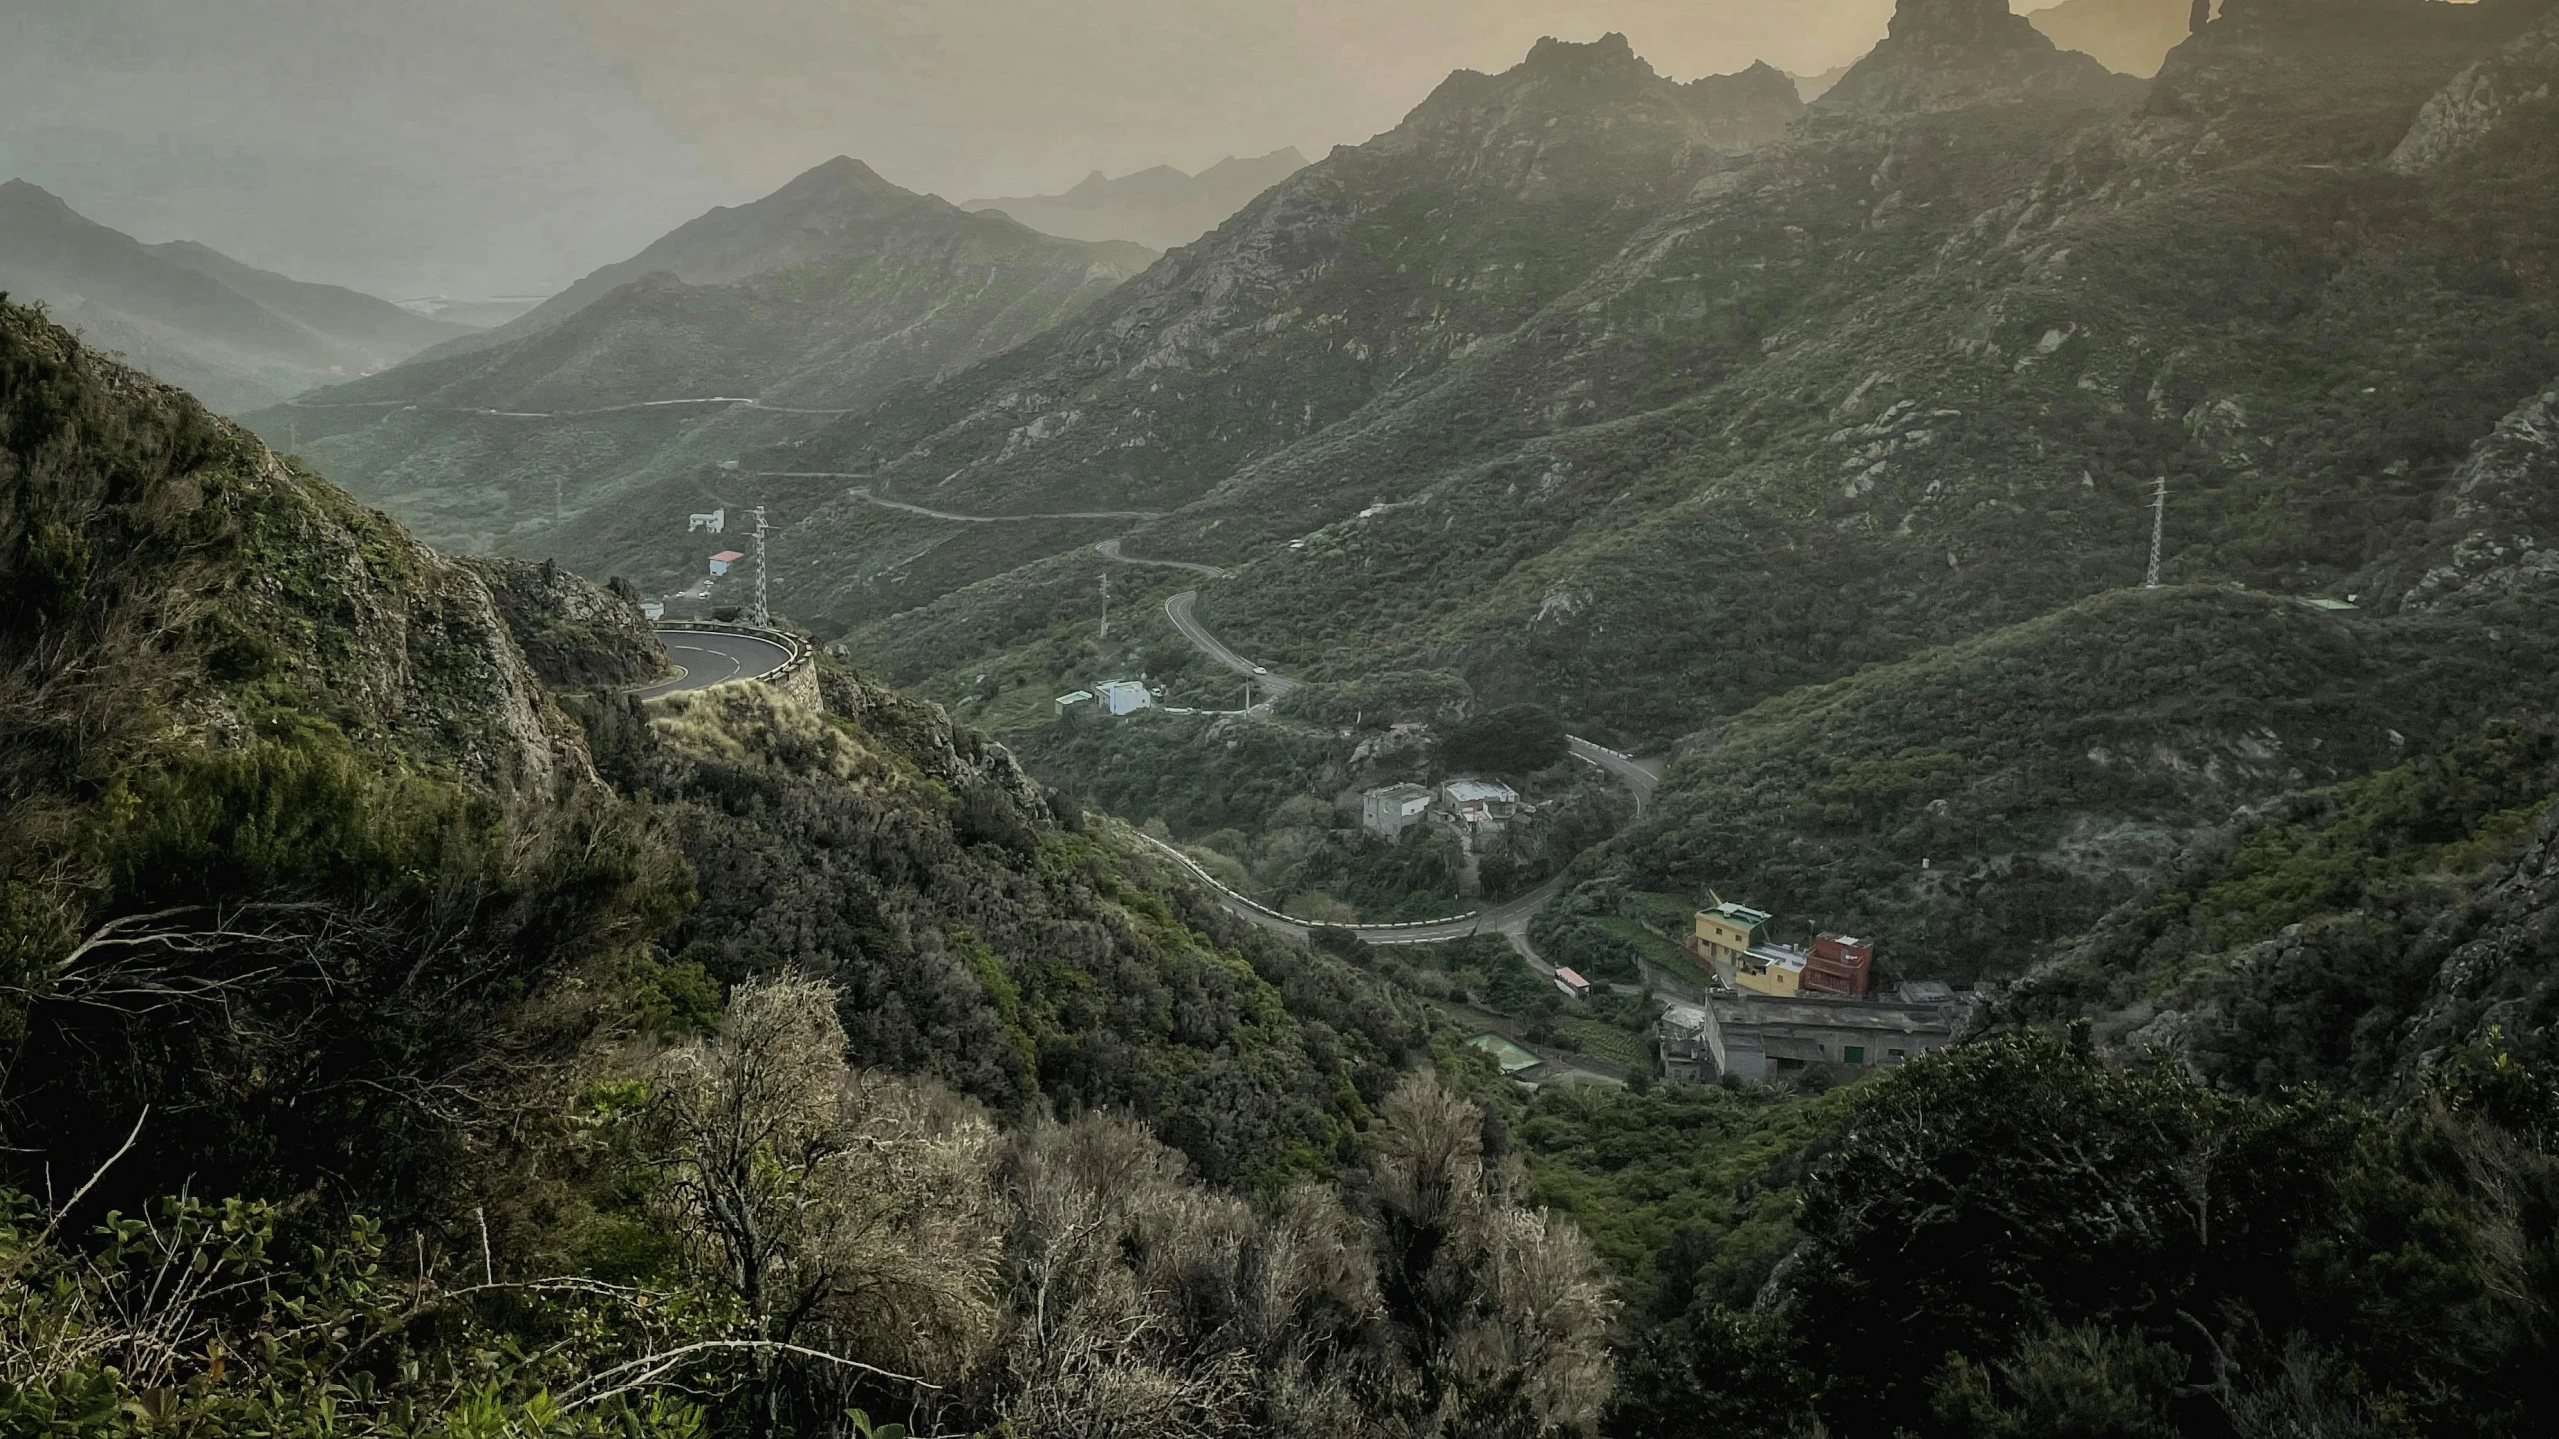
x=1906, y=376
x=1974, y=806
x=1368, y=274
x=740, y=328
x=267, y=761
x=240, y=337
x=794, y=1029
x=2341, y=937
x=1160, y=208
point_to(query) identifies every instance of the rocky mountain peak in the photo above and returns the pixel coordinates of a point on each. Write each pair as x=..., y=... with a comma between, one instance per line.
x=842, y=175
x=1945, y=54
x=1611, y=53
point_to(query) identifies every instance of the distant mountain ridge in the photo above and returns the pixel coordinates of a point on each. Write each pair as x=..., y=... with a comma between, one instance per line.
x=1943, y=54
x=238, y=336
x=820, y=297
x=1159, y=207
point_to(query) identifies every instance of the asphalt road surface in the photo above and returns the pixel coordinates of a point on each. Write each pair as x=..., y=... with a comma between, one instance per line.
x=1640, y=775
x=1110, y=550
x=1178, y=610
x=708, y=657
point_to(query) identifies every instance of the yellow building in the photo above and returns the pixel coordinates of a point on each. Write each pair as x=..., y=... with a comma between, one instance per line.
x=1772, y=969
x=1727, y=932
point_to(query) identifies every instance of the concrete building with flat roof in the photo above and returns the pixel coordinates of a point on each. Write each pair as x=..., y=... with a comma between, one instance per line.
x=1753, y=1036
x=1124, y=696
x=1389, y=809
x=1840, y=964
x=1479, y=801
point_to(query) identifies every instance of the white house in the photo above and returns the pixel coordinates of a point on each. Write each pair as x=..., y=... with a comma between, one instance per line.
x=1479, y=801
x=1122, y=696
x=720, y=562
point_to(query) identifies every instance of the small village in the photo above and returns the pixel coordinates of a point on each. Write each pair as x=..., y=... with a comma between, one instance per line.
x=1769, y=1011
x=1776, y=1009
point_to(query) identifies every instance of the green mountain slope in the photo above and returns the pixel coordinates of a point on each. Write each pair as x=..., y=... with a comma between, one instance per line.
x=814, y=301
x=231, y=691
x=240, y=337
x=1358, y=278
x=1899, y=378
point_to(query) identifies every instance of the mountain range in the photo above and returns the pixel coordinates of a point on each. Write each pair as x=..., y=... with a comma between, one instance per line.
x=1160, y=208
x=730, y=332
x=1888, y=388
x=2090, y=537
x=240, y=337
x=1667, y=403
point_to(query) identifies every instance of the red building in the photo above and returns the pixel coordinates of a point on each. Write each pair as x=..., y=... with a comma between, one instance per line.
x=1840, y=965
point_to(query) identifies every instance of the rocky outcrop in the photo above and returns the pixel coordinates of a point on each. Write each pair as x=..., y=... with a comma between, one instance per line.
x=2497, y=528
x=2320, y=81
x=1946, y=54
x=193, y=588
x=961, y=759
x=2481, y=98
x=2502, y=968
x=575, y=634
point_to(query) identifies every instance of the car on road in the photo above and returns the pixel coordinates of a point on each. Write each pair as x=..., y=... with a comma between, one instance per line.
x=1257, y=669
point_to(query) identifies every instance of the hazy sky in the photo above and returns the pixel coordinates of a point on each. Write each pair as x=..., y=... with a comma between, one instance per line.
x=478, y=147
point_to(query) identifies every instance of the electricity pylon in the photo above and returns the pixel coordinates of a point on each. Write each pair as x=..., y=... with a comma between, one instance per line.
x=764, y=616
x=2158, y=530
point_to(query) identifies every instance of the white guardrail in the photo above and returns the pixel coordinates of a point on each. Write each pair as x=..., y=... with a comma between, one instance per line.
x=1220, y=886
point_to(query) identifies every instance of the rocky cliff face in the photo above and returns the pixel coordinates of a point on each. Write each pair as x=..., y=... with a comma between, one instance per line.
x=2481, y=98
x=2496, y=529
x=2496, y=957
x=1940, y=54
x=576, y=635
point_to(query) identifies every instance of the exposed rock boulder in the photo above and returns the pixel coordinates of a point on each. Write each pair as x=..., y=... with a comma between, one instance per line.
x=2480, y=99
x=2497, y=968
x=1946, y=54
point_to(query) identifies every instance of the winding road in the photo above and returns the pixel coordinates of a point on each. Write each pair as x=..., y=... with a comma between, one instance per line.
x=1178, y=610
x=704, y=658
x=741, y=401
x=1509, y=918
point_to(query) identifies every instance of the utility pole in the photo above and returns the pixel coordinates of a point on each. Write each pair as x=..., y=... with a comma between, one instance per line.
x=763, y=616
x=2158, y=530
x=1106, y=604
